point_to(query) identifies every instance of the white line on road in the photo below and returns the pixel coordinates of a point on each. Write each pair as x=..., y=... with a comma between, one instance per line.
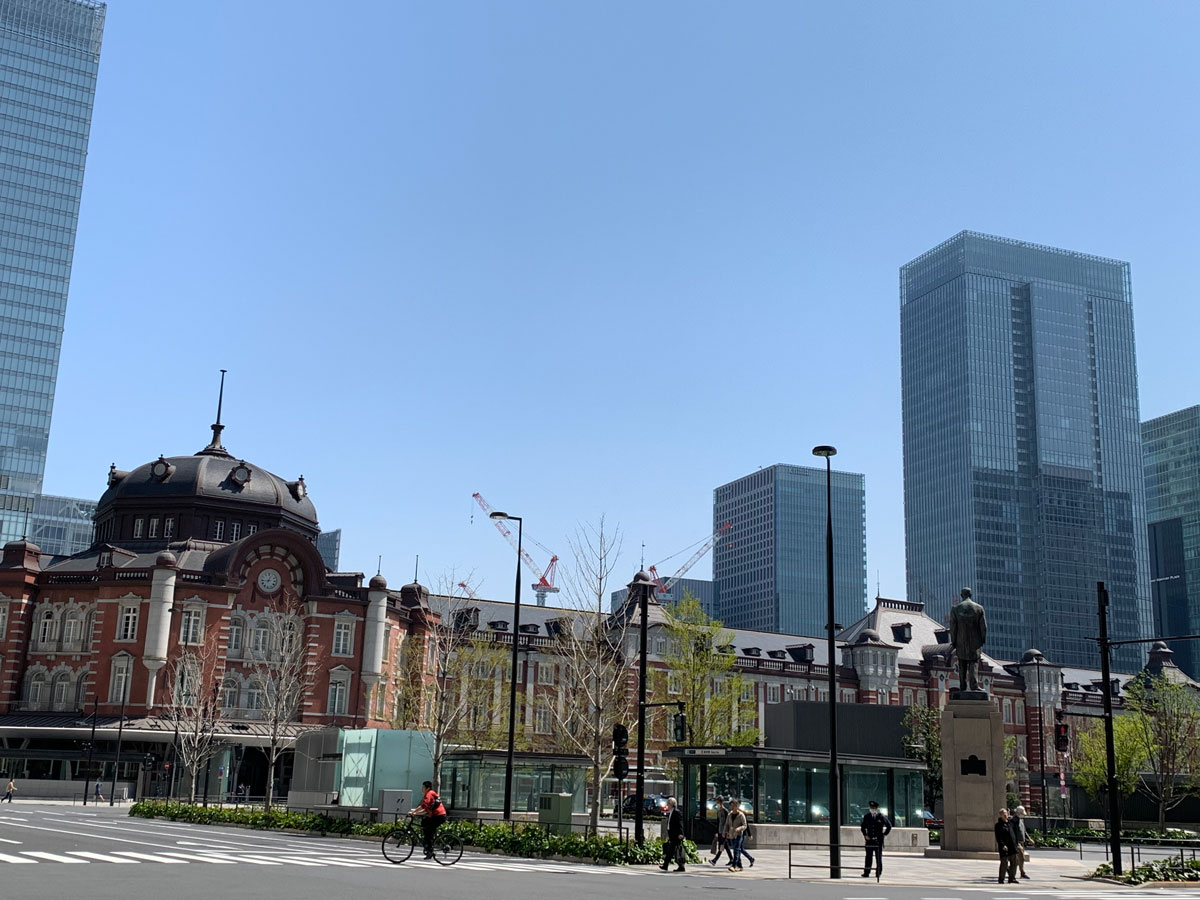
x=53, y=857
x=4, y=857
x=104, y=857
x=294, y=861
x=7, y=841
x=196, y=857
x=257, y=861
x=147, y=856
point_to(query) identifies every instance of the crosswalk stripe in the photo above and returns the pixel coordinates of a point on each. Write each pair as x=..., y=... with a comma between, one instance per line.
x=257, y=861
x=4, y=857
x=150, y=858
x=53, y=857
x=294, y=861
x=103, y=857
x=196, y=857
x=325, y=861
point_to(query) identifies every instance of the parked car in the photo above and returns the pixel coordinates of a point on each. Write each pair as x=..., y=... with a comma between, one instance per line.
x=931, y=821
x=653, y=806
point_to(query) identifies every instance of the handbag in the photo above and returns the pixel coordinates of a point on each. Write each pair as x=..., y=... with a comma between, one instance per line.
x=680, y=858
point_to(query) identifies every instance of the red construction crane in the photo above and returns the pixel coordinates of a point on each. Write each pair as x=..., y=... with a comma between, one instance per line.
x=664, y=587
x=467, y=590
x=545, y=579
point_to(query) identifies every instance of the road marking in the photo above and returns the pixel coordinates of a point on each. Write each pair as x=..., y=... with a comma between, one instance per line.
x=295, y=861
x=53, y=857
x=257, y=861
x=103, y=857
x=7, y=841
x=4, y=857
x=149, y=857
x=341, y=862
x=216, y=860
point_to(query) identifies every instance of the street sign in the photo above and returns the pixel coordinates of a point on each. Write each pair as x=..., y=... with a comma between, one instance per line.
x=703, y=751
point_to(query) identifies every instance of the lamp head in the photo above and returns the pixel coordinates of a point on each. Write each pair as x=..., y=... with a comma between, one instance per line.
x=496, y=514
x=824, y=450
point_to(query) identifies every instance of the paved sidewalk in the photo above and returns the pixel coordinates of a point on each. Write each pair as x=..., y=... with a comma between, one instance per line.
x=1059, y=870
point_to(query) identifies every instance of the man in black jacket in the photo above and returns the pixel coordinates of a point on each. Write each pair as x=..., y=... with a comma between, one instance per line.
x=875, y=827
x=1006, y=846
x=673, y=848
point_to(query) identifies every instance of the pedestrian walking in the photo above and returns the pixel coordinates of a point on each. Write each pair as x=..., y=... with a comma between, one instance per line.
x=719, y=842
x=1006, y=846
x=673, y=846
x=99, y=797
x=875, y=827
x=8, y=791
x=1022, y=838
x=736, y=826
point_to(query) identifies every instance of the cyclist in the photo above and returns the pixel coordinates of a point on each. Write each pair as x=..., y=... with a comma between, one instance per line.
x=433, y=813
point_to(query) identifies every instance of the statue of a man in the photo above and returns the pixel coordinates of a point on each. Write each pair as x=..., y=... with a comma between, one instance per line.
x=968, y=631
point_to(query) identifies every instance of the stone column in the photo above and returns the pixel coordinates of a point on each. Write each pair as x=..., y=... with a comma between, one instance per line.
x=972, y=777
x=372, y=665
x=158, y=619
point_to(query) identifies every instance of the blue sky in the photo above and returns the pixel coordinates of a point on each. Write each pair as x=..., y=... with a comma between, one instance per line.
x=587, y=258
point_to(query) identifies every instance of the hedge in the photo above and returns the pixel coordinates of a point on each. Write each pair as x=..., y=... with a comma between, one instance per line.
x=1174, y=869
x=526, y=840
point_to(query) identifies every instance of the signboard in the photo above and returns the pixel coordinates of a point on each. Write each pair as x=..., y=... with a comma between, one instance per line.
x=703, y=751
x=394, y=803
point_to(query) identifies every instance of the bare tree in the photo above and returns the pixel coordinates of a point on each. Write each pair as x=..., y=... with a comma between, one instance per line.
x=457, y=706
x=1166, y=722
x=195, y=708
x=282, y=672
x=592, y=674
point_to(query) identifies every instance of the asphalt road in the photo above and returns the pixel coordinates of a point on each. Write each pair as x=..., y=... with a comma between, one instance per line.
x=53, y=851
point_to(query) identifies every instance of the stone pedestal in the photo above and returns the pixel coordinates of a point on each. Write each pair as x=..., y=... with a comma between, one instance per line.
x=972, y=774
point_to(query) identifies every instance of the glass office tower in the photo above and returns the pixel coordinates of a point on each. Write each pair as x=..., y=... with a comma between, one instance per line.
x=1171, y=451
x=769, y=570
x=50, y=52
x=1022, y=443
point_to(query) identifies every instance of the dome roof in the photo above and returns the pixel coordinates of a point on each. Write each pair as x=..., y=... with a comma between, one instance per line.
x=211, y=477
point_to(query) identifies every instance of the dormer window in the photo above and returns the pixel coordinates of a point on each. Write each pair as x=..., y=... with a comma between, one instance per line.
x=902, y=632
x=240, y=474
x=777, y=654
x=752, y=651
x=466, y=619
x=498, y=625
x=801, y=653
x=725, y=648
x=529, y=629
x=160, y=469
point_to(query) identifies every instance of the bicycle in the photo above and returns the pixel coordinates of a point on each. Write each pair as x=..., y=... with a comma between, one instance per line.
x=401, y=841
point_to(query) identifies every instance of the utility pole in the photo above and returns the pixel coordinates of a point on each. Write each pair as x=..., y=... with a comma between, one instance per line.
x=1114, y=797
x=643, y=585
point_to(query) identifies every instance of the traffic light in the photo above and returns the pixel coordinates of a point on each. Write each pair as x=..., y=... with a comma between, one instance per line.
x=1062, y=737
x=680, y=722
x=620, y=739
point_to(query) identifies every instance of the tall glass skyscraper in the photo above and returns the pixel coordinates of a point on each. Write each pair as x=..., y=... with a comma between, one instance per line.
x=769, y=570
x=1171, y=450
x=49, y=56
x=1022, y=443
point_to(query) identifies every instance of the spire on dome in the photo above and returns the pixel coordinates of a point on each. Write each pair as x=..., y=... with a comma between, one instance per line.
x=215, y=448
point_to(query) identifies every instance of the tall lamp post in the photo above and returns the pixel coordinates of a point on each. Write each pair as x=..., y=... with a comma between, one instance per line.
x=512, y=688
x=835, y=798
x=1037, y=661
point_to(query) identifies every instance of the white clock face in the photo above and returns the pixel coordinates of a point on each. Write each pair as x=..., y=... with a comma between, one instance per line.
x=269, y=580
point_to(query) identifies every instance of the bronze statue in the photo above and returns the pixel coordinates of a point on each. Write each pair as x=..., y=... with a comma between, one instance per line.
x=968, y=631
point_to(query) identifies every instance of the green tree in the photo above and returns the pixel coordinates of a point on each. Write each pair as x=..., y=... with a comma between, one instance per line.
x=1166, y=714
x=1090, y=762
x=924, y=742
x=717, y=699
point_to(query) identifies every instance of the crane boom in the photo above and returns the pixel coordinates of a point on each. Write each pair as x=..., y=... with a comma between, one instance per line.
x=665, y=586
x=545, y=580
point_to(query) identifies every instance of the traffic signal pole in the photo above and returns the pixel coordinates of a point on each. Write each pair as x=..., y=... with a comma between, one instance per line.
x=1114, y=798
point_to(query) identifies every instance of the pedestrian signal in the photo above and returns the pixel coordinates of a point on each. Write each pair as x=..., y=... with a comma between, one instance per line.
x=1062, y=737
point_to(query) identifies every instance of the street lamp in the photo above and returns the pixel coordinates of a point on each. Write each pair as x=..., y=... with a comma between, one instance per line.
x=512, y=688
x=835, y=799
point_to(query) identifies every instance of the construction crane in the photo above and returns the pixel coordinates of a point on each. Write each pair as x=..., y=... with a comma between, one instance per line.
x=545, y=579
x=467, y=590
x=664, y=587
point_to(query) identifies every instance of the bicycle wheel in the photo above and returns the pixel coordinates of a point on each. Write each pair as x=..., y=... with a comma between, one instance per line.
x=447, y=850
x=398, y=845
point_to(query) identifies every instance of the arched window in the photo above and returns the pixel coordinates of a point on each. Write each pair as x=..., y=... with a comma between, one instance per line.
x=60, y=691
x=236, y=628
x=256, y=697
x=46, y=628
x=35, y=692
x=72, y=629
x=230, y=691
x=120, y=671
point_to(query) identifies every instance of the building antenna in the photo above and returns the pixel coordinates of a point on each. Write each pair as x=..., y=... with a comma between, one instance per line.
x=876, y=584
x=221, y=395
x=643, y=565
x=217, y=427
x=416, y=569
x=379, y=568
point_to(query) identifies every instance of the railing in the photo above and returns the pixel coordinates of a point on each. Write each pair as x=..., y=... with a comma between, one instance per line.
x=243, y=713
x=142, y=575
x=792, y=864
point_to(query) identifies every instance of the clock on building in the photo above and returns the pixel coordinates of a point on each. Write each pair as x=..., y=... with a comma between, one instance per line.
x=269, y=581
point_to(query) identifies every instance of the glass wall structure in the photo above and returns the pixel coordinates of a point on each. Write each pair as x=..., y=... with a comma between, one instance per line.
x=1171, y=453
x=1022, y=446
x=329, y=545
x=51, y=53
x=62, y=526
x=769, y=570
